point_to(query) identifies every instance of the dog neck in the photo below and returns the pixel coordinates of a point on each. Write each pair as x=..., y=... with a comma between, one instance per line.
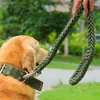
x=12, y=89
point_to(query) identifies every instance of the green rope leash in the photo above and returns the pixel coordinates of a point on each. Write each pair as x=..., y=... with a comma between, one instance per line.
x=59, y=40
x=57, y=43
x=80, y=72
x=88, y=57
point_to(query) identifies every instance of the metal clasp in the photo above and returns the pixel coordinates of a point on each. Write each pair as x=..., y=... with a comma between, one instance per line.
x=2, y=68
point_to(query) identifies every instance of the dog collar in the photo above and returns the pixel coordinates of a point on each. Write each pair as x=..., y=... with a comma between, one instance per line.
x=9, y=70
x=15, y=72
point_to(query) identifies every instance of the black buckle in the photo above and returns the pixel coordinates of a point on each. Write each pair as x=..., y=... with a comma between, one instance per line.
x=34, y=83
x=30, y=80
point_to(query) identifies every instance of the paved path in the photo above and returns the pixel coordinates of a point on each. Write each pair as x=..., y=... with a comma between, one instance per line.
x=52, y=77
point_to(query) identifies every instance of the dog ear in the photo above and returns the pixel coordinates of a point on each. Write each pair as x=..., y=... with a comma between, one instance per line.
x=29, y=60
x=42, y=55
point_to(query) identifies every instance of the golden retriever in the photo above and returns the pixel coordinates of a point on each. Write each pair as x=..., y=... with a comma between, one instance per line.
x=23, y=52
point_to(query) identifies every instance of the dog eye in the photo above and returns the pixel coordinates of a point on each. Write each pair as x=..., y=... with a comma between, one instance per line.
x=37, y=64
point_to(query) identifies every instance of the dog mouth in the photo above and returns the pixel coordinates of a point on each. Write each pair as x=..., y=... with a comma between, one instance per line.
x=26, y=70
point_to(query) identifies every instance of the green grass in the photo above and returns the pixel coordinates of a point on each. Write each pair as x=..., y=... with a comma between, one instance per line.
x=74, y=59
x=69, y=62
x=70, y=59
x=61, y=65
x=87, y=91
x=96, y=62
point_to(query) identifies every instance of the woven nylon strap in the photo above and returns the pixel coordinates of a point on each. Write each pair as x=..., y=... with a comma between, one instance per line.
x=80, y=72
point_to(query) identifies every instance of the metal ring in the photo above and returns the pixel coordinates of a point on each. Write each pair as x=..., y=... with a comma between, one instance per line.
x=2, y=68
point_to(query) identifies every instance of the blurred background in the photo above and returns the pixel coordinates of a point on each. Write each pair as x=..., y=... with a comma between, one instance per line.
x=44, y=20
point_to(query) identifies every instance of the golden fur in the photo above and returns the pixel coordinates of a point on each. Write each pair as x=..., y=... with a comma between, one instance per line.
x=22, y=52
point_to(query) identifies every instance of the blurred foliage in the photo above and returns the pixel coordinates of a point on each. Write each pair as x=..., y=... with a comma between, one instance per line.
x=97, y=20
x=30, y=17
x=1, y=42
x=78, y=45
x=77, y=50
